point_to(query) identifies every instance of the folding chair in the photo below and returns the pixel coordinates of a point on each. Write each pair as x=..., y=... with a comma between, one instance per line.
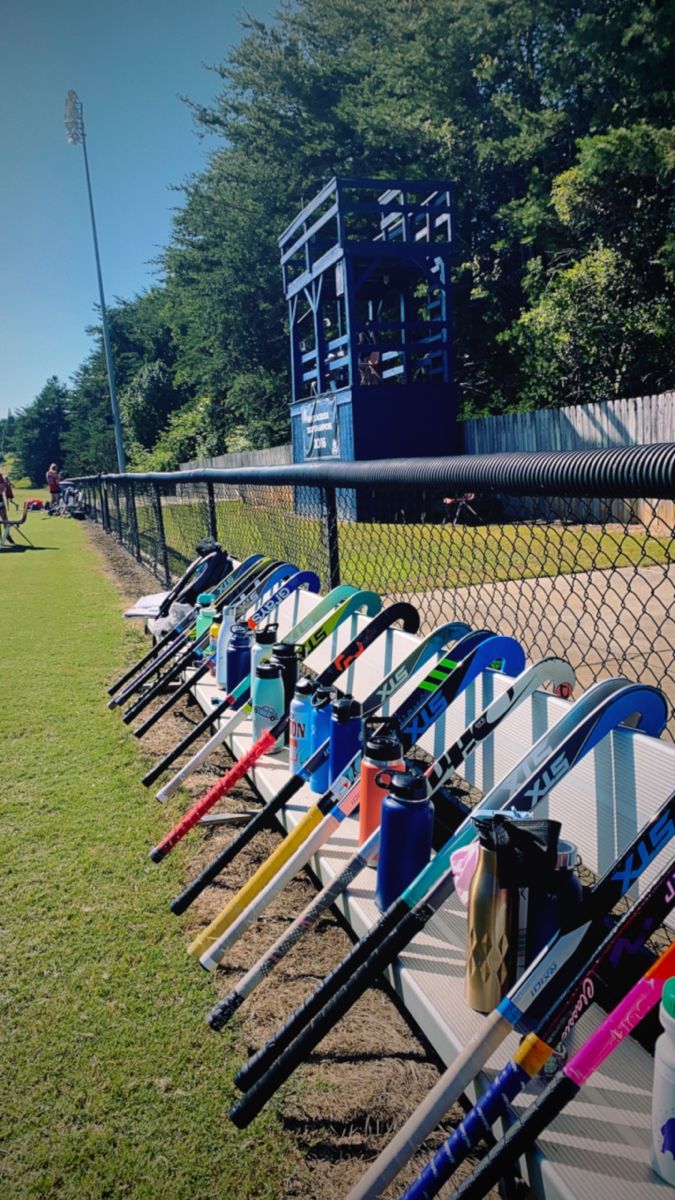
x=8, y=527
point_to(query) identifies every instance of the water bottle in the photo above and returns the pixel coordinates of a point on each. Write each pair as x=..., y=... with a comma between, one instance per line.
x=267, y=701
x=238, y=658
x=286, y=655
x=558, y=897
x=263, y=641
x=406, y=829
x=207, y=651
x=300, y=724
x=381, y=748
x=320, y=733
x=491, y=927
x=345, y=735
x=663, y=1091
x=229, y=616
x=205, y=612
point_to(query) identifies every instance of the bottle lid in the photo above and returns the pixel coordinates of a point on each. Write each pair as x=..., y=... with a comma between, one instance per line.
x=323, y=695
x=668, y=997
x=266, y=636
x=407, y=785
x=345, y=708
x=217, y=619
x=240, y=631
x=268, y=670
x=305, y=686
x=567, y=856
x=284, y=650
x=384, y=747
x=205, y=598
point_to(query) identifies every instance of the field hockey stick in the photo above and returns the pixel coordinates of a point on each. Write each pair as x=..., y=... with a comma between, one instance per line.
x=173, y=639
x=552, y=670
x=261, y=613
x=600, y=710
x=270, y=575
x=183, y=625
x=318, y=619
x=434, y=643
x=192, y=647
x=560, y=985
x=223, y=597
x=623, y=1019
x=364, y=599
x=324, y=817
x=306, y=579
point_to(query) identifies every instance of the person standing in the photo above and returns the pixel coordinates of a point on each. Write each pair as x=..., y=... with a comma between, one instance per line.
x=54, y=486
x=4, y=514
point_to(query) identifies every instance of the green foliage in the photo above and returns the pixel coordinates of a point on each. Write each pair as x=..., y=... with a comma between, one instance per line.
x=553, y=121
x=189, y=435
x=39, y=432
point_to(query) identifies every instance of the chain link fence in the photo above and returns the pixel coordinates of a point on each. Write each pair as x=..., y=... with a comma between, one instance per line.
x=573, y=553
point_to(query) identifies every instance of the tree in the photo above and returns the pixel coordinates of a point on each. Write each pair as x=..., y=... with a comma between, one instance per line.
x=40, y=430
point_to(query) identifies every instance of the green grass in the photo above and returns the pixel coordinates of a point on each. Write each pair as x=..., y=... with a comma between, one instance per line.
x=421, y=557
x=112, y=1084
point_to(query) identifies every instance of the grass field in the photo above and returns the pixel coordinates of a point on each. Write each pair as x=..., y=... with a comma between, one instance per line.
x=112, y=1086
x=416, y=558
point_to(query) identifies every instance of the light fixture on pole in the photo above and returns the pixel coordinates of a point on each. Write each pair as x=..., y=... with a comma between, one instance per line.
x=76, y=136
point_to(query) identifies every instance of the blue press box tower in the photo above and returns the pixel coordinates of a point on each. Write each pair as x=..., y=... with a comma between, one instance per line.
x=366, y=268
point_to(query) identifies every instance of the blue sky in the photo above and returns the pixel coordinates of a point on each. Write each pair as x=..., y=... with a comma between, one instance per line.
x=129, y=61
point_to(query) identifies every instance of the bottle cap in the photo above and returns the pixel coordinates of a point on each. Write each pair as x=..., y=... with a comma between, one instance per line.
x=323, y=695
x=345, y=708
x=305, y=686
x=668, y=997
x=268, y=670
x=205, y=598
x=240, y=631
x=384, y=747
x=284, y=650
x=266, y=636
x=405, y=785
x=217, y=619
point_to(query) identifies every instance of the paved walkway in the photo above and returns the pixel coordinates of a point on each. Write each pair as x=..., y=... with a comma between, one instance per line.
x=618, y=622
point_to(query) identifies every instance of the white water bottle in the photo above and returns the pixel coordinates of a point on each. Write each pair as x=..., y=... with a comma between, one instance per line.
x=663, y=1094
x=229, y=619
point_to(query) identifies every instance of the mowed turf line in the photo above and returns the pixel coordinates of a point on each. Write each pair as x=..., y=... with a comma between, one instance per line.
x=111, y=1083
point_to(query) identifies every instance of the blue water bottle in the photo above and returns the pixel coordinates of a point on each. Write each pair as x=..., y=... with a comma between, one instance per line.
x=405, y=834
x=345, y=735
x=238, y=659
x=320, y=733
x=267, y=701
x=300, y=724
x=560, y=896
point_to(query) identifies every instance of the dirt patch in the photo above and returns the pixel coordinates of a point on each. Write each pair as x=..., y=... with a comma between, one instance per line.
x=370, y=1072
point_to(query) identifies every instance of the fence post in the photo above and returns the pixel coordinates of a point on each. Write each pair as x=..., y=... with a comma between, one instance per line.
x=213, y=520
x=105, y=510
x=332, y=537
x=118, y=506
x=162, y=536
x=133, y=520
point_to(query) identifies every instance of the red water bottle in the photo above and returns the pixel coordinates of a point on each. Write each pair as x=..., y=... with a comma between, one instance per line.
x=382, y=750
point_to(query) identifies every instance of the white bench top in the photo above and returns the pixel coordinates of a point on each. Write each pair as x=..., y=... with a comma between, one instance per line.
x=599, y=1148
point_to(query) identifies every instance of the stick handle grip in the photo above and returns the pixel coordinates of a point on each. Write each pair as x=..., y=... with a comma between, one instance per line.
x=185, y=743
x=214, y=794
x=318, y=1012
x=518, y=1139
x=493, y=1104
x=214, y=868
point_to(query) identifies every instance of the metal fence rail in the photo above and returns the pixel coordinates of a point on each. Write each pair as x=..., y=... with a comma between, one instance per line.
x=571, y=552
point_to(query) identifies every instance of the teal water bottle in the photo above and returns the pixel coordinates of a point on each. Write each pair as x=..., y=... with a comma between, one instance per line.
x=263, y=641
x=205, y=612
x=267, y=701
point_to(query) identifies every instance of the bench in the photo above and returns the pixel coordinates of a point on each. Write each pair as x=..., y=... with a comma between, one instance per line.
x=599, y=1148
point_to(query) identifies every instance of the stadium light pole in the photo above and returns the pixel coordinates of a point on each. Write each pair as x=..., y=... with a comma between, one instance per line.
x=76, y=136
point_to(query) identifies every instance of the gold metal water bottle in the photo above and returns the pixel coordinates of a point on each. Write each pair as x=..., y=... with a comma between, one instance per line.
x=490, y=941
